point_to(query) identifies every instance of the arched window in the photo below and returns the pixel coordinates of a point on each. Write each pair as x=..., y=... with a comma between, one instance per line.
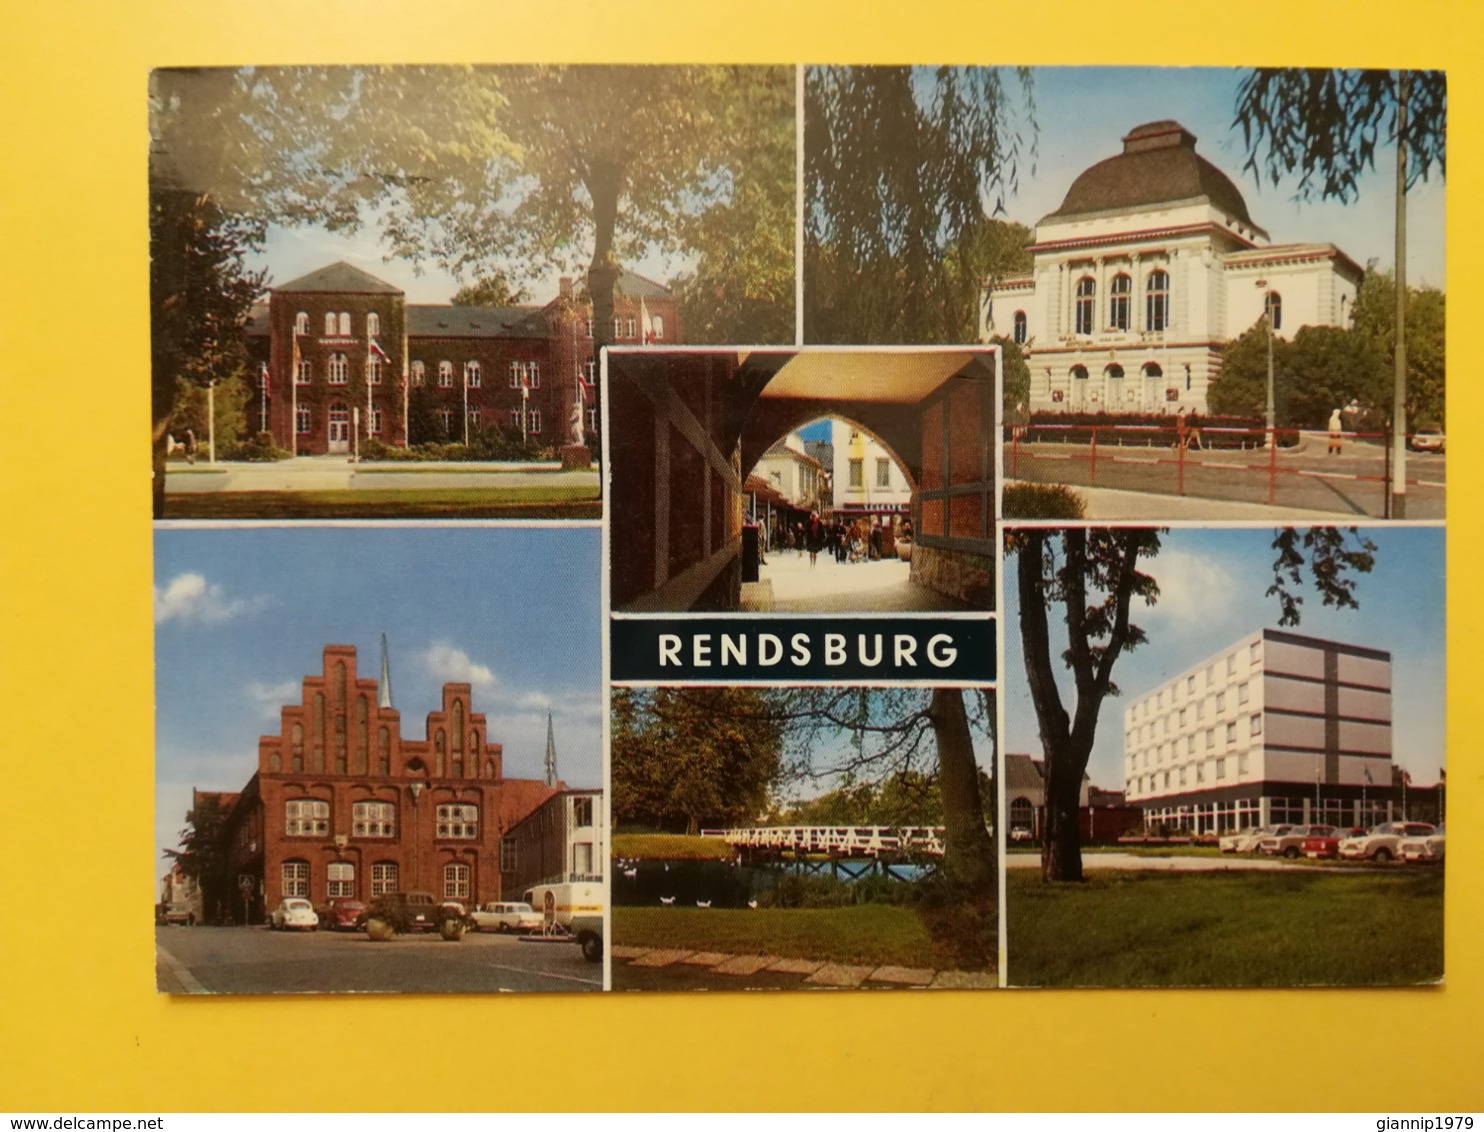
x=306, y=817
x=473, y=374
x=383, y=878
x=1079, y=373
x=1152, y=371
x=1157, y=301
x=533, y=374
x=1273, y=308
x=1086, y=290
x=1118, y=301
x=419, y=373
x=301, y=322
x=617, y=327
x=1020, y=334
x=304, y=373
x=445, y=375
x=1022, y=816
x=345, y=324
x=296, y=878
x=330, y=324
x=341, y=879
x=456, y=882
x=339, y=369
x=657, y=327
x=373, y=370
x=1113, y=372
x=373, y=324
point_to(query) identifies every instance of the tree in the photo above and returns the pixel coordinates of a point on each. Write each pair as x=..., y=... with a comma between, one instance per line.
x=682, y=756
x=742, y=287
x=1375, y=308
x=424, y=425
x=202, y=854
x=1094, y=575
x=492, y=290
x=1017, y=384
x=1320, y=369
x=901, y=167
x=1328, y=124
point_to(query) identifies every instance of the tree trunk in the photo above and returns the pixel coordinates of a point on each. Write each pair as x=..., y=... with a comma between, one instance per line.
x=1061, y=836
x=968, y=851
x=604, y=184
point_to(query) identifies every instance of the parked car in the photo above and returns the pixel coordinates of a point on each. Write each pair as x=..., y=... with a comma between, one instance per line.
x=1427, y=440
x=294, y=913
x=1246, y=841
x=406, y=911
x=1327, y=848
x=175, y=913
x=1380, y=843
x=506, y=916
x=342, y=914
x=1427, y=850
x=588, y=931
x=1291, y=844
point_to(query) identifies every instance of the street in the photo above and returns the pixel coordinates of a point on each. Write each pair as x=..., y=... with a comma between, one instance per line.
x=1307, y=479
x=255, y=960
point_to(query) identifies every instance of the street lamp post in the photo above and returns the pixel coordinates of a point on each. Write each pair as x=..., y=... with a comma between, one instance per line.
x=1267, y=318
x=415, y=789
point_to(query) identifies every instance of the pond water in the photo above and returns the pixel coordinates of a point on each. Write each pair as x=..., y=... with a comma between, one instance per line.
x=727, y=884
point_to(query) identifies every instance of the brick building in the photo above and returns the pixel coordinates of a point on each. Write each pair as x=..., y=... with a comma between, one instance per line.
x=560, y=842
x=343, y=805
x=339, y=354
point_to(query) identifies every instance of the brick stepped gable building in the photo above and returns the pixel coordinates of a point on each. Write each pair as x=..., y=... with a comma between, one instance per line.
x=339, y=349
x=1149, y=267
x=343, y=805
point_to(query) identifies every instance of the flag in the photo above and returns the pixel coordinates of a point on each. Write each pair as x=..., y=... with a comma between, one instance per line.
x=1368, y=777
x=646, y=325
x=377, y=350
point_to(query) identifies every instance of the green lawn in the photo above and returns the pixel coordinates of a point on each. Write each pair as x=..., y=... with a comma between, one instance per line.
x=670, y=846
x=1289, y=928
x=556, y=502
x=864, y=933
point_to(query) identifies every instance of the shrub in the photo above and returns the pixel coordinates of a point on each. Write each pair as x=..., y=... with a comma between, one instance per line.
x=259, y=449
x=1042, y=501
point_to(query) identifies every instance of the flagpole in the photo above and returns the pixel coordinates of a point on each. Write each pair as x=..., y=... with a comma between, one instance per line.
x=294, y=396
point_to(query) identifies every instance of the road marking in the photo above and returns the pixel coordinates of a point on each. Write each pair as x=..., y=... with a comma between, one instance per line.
x=187, y=980
x=547, y=975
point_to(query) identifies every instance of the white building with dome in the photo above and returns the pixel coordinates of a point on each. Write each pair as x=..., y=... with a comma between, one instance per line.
x=1149, y=267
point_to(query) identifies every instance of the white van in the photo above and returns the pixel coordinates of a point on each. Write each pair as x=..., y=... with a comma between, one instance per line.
x=557, y=901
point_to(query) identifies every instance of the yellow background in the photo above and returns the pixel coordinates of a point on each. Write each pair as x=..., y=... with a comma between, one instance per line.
x=81, y=1027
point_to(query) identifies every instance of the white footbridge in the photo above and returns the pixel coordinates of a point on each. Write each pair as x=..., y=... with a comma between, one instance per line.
x=837, y=840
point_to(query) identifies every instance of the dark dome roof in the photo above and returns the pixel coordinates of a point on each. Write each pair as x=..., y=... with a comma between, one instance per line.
x=1158, y=165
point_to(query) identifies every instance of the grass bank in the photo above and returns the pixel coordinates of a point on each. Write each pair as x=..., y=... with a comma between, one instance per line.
x=670, y=847
x=557, y=502
x=864, y=934
x=1288, y=928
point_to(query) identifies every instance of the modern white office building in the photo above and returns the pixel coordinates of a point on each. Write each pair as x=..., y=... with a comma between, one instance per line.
x=1276, y=728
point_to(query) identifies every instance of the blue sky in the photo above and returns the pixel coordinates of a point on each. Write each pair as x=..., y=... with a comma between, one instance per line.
x=241, y=616
x=1082, y=113
x=1212, y=585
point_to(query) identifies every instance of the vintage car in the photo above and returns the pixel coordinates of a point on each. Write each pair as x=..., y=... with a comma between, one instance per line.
x=1380, y=843
x=1425, y=850
x=1327, y=848
x=342, y=914
x=1246, y=840
x=587, y=930
x=294, y=913
x=1291, y=844
x=506, y=916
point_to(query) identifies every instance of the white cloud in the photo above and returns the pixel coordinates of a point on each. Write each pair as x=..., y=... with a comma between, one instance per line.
x=448, y=664
x=1195, y=591
x=271, y=697
x=191, y=598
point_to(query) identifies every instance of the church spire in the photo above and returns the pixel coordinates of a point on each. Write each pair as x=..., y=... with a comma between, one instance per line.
x=551, y=767
x=384, y=685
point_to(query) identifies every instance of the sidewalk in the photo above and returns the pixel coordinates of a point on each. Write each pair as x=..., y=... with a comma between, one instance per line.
x=788, y=582
x=337, y=473
x=811, y=972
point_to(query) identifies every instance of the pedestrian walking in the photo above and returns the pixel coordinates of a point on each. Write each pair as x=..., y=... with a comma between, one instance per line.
x=190, y=445
x=1336, y=433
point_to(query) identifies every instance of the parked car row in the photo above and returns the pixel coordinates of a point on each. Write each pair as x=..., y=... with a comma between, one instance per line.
x=1390, y=841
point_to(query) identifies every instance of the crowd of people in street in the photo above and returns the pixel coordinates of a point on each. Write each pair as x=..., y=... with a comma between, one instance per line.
x=864, y=539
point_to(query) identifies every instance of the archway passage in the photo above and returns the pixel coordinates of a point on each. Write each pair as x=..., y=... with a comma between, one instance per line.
x=684, y=425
